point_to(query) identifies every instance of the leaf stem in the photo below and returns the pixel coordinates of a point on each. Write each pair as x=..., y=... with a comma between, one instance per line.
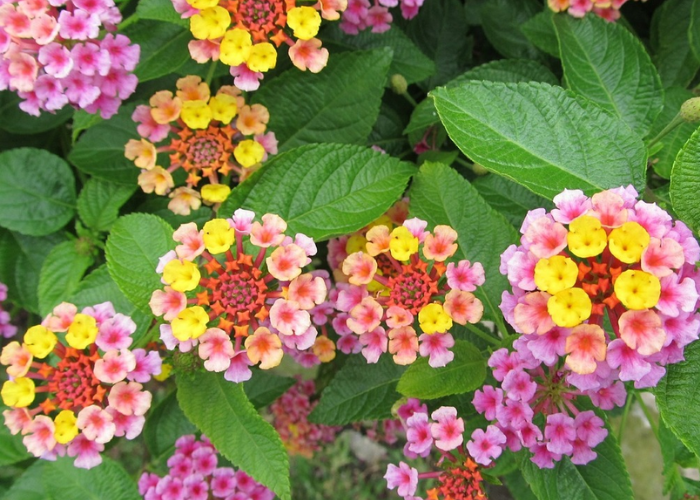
x=210, y=73
x=482, y=335
x=647, y=413
x=625, y=414
x=677, y=120
x=129, y=20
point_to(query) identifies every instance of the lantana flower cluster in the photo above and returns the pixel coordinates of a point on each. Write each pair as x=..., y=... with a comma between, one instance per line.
x=607, y=9
x=200, y=136
x=193, y=475
x=290, y=418
x=399, y=284
x=52, y=55
x=75, y=384
x=245, y=34
x=440, y=431
x=7, y=330
x=362, y=14
x=235, y=290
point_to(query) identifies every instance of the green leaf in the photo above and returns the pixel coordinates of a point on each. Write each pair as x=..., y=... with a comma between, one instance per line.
x=673, y=141
x=63, y=480
x=539, y=29
x=160, y=10
x=672, y=451
x=29, y=485
x=359, y=391
x=685, y=181
x=18, y=122
x=221, y=410
x=163, y=47
x=407, y=59
x=99, y=203
x=605, y=478
x=694, y=29
x=100, y=150
x=12, y=450
x=339, y=104
x=82, y=120
x=264, y=387
x=441, y=196
x=540, y=136
x=608, y=65
x=166, y=423
x=673, y=57
x=134, y=246
x=501, y=20
x=464, y=373
x=387, y=132
x=158, y=205
x=508, y=198
x=61, y=272
x=517, y=486
x=324, y=190
x=37, y=191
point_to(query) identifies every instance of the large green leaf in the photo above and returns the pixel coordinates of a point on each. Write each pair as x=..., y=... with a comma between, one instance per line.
x=100, y=150
x=222, y=411
x=264, y=387
x=607, y=64
x=673, y=141
x=464, y=373
x=29, y=485
x=542, y=137
x=441, y=196
x=160, y=10
x=339, y=104
x=359, y=391
x=166, y=423
x=501, y=20
x=134, y=246
x=539, y=29
x=324, y=190
x=62, y=480
x=37, y=191
x=163, y=47
x=99, y=203
x=673, y=56
x=685, y=182
x=61, y=272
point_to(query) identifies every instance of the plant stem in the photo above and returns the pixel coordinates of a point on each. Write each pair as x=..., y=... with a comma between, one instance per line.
x=482, y=335
x=647, y=413
x=677, y=120
x=129, y=20
x=625, y=413
x=210, y=73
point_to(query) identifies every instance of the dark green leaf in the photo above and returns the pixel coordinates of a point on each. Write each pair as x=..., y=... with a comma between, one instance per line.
x=82, y=120
x=158, y=205
x=160, y=10
x=18, y=122
x=685, y=182
x=501, y=20
x=508, y=198
x=264, y=387
x=539, y=29
x=63, y=480
x=672, y=142
x=673, y=57
x=163, y=47
x=99, y=203
x=166, y=424
x=12, y=450
x=694, y=29
x=61, y=272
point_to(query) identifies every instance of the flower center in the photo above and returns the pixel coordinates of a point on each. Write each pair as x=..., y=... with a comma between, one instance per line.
x=73, y=382
x=412, y=288
x=260, y=17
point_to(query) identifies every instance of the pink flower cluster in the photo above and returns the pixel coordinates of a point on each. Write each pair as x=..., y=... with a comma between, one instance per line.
x=290, y=417
x=363, y=14
x=52, y=55
x=6, y=329
x=194, y=475
x=607, y=9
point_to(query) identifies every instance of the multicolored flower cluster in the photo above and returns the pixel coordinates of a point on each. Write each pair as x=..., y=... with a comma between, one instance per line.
x=245, y=34
x=194, y=475
x=607, y=9
x=443, y=431
x=52, y=55
x=89, y=384
x=205, y=142
x=7, y=330
x=362, y=14
x=290, y=417
x=240, y=309
x=397, y=277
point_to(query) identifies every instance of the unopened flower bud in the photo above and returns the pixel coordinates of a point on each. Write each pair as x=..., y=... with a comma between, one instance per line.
x=399, y=84
x=690, y=110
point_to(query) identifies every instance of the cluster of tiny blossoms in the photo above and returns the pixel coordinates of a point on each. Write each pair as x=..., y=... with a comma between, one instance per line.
x=441, y=431
x=52, y=55
x=362, y=14
x=194, y=475
x=90, y=387
x=245, y=34
x=240, y=309
x=290, y=417
x=6, y=329
x=607, y=9
x=395, y=276
x=609, y=256
x=200, y=137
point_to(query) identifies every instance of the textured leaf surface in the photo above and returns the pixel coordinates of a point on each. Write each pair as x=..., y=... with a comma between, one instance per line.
x=359, y=391
x=165, y=424
x=63, y=480
x=464, y=373
x=222, y=411
x=29, y=486
x=673, y=56
x=607, y=64
x=134, y=246
x=163, y=47
x=264, y=387
x=324, y=190
x=539, y=29
x=501, y=20
x=339, y=104
x=441, y=196
x=99, y=203
x=685, y=182
x=61, y=272
x=37, y=191
x=673, y=141
x=541, y=137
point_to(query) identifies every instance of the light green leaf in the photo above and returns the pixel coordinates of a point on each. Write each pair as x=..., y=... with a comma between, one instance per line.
x=540, y=136
x=82, y=120
x=608, y=65
x=685, y=182
x=508, y=198
x=464, y=373
x=441, y=196
x=166, y=423
x=221, y=410
x=359, y=391
x=160, y=10
x=29, y=485
x=324, y=190
x=63, y=480
x=37, y=191
x=673, y=141
x=339, y=104
x=61, y=272
x=163, y=47
x=673, y=56
x=501, y=20
x=264, y=387
x=99, y=203
x=134, y=246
